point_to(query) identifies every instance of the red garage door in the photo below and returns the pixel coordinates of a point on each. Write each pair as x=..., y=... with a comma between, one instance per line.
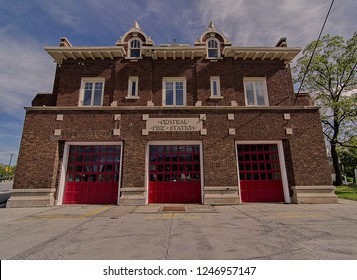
x=259, y=173
x=92, y=174
x=174, y=174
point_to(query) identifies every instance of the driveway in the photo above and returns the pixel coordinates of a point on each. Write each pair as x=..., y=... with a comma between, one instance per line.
x=248, y=231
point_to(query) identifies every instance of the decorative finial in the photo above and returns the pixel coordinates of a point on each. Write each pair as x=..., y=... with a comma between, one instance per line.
x=211, y=26
x=136, y=25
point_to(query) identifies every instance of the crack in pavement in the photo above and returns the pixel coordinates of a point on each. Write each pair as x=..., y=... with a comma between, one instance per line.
x=169, y=237
x=277, y=232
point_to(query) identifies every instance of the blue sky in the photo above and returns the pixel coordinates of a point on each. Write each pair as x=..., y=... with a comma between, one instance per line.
x=26, y=26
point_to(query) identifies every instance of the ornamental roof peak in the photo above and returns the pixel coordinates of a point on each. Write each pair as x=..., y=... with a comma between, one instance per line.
x=136, y=25
x=211, y=26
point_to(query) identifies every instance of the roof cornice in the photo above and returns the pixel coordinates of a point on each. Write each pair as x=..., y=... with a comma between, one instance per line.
x=172, y=51
x=261, y=53
x=63, y=53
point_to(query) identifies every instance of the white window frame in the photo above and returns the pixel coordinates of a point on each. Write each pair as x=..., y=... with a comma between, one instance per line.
x=173, y=80
x=130, y=48
x=216, y=79
x=130, y=87
x=218, y=48
x=265, y=90
x=92, y=80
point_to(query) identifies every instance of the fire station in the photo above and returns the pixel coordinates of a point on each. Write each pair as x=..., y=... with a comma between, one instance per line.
x=136, y=123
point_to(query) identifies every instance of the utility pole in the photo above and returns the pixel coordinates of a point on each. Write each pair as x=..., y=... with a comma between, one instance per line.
x=10, y=159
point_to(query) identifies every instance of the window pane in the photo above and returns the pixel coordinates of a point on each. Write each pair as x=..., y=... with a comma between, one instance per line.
x=133, y=88
x=260, y=93
x=260, y=99
x=169, y=93
x=88, y=86
x=250, y=98
x=135, y=53
x=212, y=53
x=169, y=85
x=97, y=97
x=169, y=97
x=249, y=91
x=87, y=97
x=212, y=44
x=135, y=44
x=179, y=97
x=214, y=88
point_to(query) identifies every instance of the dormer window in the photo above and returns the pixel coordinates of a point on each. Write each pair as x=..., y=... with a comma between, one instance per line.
x=213, y=48
x=135, y=48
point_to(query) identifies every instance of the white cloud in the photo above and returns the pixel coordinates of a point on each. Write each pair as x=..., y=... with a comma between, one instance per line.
x=26, y=70
x=262, y=23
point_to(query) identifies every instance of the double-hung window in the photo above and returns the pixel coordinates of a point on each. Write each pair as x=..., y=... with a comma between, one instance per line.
x=133, y=87
x=213, y=48
x=215, y=87
x=255, y=90
x=135, y=48
x=92, y=90
x=174, y=92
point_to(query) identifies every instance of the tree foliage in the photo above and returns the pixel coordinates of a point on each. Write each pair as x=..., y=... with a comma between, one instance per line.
x=329, y=79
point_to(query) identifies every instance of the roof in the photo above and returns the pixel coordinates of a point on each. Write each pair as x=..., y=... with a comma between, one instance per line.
x=173, y=51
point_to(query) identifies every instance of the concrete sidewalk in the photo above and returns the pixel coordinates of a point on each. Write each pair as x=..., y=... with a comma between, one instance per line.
x=248, y=231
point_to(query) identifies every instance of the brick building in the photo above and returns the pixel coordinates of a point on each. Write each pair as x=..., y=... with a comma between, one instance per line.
x=136, y=123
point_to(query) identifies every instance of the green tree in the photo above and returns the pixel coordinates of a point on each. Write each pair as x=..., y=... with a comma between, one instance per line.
x=331, y=75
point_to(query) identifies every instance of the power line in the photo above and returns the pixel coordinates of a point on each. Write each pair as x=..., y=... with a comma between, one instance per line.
x=313, y=52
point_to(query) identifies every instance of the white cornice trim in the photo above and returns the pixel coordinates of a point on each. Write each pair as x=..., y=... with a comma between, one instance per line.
x=190, y=52
x=261, y=53
x=63, y=53
x=177, y=108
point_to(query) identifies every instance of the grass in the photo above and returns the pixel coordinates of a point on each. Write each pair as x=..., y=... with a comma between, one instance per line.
x=347, y=192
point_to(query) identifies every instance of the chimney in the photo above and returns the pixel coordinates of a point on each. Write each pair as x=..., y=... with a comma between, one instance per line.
x=64, y=42
x=282, y=43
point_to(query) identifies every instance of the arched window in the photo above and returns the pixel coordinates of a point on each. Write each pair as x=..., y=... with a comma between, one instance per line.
x=135, y=48
x=212, y=48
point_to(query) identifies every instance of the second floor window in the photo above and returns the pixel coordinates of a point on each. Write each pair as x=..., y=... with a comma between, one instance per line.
x=135, y=48
x=215, y=87
x=92, y=92
x=174, y=92
x=133, y=87
x=255, y=90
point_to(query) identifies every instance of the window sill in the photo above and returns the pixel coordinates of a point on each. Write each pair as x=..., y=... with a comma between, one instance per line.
x=90, y=106
x=133, y=58
x=216, y=97
x=214, y=59
x=132, y=97
x=257, y=105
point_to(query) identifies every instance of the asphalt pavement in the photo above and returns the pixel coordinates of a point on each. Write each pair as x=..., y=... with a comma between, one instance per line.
x=247, y=231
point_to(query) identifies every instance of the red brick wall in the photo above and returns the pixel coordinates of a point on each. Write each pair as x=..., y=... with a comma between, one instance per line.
x=151, y=72
x=304, y=150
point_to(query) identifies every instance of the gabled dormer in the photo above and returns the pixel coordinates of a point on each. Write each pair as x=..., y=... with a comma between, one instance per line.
x=133, y=41
x=214, y=41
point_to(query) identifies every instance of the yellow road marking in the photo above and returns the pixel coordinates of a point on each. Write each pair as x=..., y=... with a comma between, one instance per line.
x=65, y=216
x=168, y=216
x=94, y=212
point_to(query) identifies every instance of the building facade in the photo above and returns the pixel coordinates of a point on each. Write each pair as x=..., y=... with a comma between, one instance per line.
x=136, y=123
